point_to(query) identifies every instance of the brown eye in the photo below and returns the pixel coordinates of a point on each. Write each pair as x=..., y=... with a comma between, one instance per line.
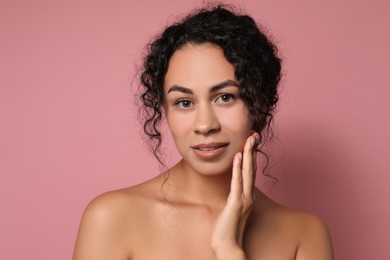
x=224, y=98
x=183, y=103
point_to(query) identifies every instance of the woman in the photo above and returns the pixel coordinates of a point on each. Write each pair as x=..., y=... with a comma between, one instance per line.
x=214, y=76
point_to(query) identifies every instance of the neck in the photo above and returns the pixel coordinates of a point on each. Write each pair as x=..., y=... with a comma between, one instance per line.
x=188, y=186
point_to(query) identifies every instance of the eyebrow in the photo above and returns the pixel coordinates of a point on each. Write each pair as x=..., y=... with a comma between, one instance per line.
x=213, y=89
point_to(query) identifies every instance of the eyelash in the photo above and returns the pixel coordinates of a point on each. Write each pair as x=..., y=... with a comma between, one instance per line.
x=230, y=97
x=180, y=103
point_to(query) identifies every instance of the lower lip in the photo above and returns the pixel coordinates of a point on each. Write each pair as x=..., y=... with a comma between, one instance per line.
x=211, y=154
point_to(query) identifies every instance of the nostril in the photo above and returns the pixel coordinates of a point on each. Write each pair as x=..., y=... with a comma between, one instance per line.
x=206, y=121
x=207, y=128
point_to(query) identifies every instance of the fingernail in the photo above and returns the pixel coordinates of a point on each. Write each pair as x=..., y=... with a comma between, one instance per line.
x=257, y=137
x=252, y=141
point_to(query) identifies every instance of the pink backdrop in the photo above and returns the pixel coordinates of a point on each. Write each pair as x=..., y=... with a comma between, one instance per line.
x=68, y=127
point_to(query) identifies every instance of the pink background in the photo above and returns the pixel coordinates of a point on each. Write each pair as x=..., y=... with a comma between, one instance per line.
x=68, y=130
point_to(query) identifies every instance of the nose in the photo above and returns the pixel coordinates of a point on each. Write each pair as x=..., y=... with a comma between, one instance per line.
x=206, y=121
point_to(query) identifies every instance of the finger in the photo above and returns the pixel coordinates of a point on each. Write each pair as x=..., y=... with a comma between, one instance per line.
x=255, y=150
x=236, y=183
x=248, y=170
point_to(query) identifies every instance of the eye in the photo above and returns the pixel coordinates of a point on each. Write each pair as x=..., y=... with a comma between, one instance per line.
x=184, y=103
x=224, y=98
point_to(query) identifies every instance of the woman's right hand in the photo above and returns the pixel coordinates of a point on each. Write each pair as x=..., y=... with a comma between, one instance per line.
x=230, y=225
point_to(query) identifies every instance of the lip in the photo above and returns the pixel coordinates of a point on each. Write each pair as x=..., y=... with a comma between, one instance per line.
x=210, y=151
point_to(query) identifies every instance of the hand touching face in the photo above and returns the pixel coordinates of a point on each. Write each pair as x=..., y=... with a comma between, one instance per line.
x=229, y=229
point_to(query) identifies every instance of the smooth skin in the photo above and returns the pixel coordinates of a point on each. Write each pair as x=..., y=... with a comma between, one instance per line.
x=204, y=207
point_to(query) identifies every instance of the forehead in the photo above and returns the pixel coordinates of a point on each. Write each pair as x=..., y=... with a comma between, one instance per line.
x=198, y=65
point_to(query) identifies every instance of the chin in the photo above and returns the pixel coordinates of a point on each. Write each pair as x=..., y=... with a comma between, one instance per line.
x=209, y=168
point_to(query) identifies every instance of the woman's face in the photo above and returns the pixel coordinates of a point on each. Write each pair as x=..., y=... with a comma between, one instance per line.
x=208, y=120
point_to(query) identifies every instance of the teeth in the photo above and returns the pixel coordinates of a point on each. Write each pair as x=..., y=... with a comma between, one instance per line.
x=207, y=149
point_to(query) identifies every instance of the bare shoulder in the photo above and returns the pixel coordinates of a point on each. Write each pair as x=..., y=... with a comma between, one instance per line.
x=114, y=205
x=308, y=230
x=109, y=222
x=119, y=201
x=315, y=241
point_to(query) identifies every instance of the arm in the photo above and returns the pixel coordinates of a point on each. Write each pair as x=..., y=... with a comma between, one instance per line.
x=230, y=225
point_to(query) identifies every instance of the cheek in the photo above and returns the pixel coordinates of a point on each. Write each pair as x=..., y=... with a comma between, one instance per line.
x=179, y=126
x=238, y=121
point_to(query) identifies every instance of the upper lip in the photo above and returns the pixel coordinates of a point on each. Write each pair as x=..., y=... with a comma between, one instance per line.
x=210, y=145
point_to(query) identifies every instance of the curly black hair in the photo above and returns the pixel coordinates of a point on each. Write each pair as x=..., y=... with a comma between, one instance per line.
x=245, y=46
